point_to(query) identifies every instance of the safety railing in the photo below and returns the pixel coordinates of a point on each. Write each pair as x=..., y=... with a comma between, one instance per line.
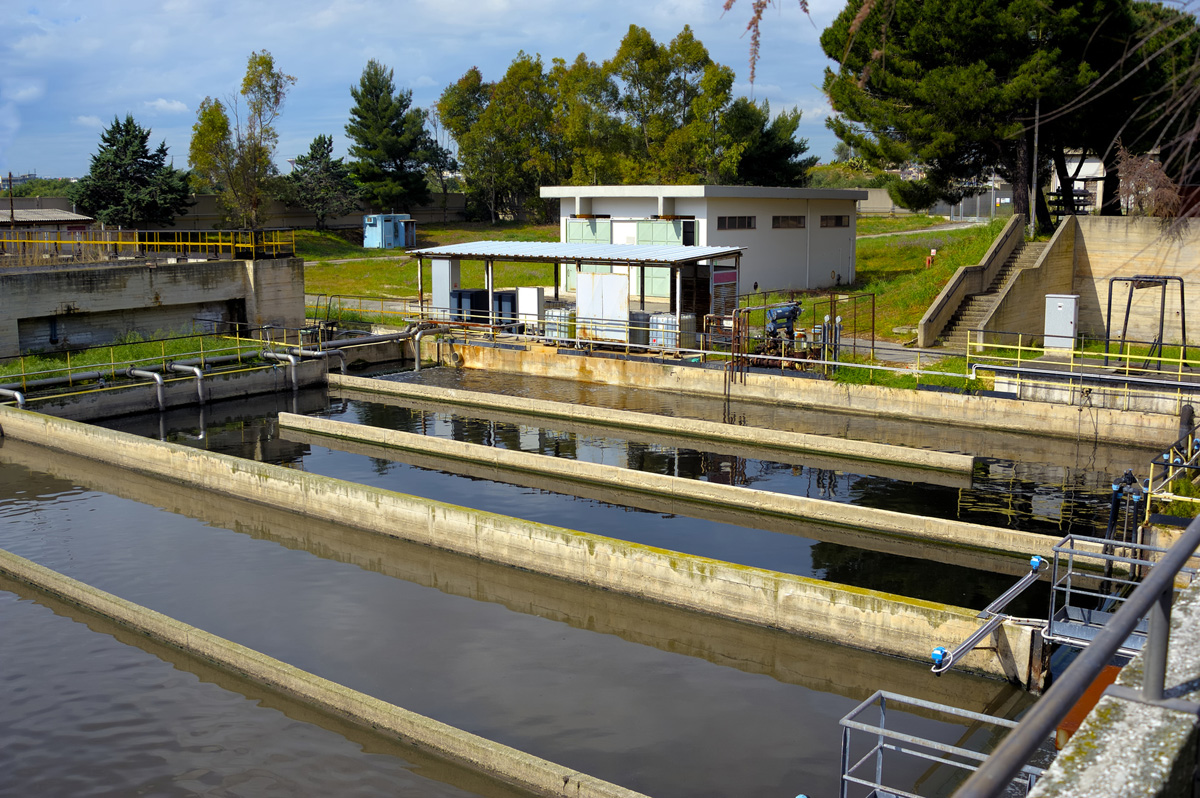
x=894, y=757
x=1131, y=377
x=103, y=366
x=32, y=247
x=1154, y=597
x=1181, y=461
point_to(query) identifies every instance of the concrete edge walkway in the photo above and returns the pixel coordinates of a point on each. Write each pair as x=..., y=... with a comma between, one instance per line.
x=759, y=503
x=778, y=440
x=468, y=750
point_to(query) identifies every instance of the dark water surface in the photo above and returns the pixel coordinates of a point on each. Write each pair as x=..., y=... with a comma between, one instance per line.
x=651, y=698
x=110, y=719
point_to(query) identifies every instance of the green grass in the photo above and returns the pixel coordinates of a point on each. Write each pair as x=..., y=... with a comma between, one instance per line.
x=850, y=375
x=113, y=359
x=894, y=270
x=392, y=274
x=326, y=245
x=873, y=225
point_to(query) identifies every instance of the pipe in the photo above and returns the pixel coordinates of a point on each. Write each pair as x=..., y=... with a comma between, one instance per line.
x=408, y=332
x=20, y=397
x=321, y=353
x=194, y=370
x=49, y=382
x=291, y=360
x=160, y=387
x=417, y=342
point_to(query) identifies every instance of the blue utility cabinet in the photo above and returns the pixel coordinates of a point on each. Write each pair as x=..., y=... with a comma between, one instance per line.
x=389, y=231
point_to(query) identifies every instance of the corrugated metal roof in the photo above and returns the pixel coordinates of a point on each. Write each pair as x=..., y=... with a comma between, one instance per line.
x=43, y=216
x=585, y=253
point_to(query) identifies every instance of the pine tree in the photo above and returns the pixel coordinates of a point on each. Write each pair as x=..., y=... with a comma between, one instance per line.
x=391, y=146
x=321, y=184
x=128, y=185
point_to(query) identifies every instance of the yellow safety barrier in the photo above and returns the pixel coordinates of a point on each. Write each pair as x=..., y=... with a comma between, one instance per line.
x=20, y=247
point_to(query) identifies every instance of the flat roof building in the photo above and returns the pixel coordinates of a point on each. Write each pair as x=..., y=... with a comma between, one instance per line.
x=794, y=238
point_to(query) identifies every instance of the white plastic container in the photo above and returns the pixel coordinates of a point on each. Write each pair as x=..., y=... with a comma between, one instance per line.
x=560, y=324
x=665, y=334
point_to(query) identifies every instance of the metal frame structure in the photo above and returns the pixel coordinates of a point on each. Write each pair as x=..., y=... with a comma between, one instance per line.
x=1154, y=596
x=890, y=740
x=1136, y=282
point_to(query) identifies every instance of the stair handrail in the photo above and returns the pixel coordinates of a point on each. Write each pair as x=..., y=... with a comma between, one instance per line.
x=970, y=280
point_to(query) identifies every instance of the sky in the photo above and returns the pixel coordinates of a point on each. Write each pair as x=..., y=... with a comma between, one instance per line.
x=69, y=67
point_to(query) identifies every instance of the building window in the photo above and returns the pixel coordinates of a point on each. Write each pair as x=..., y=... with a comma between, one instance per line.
x=787, y=222
x=736, y=223
x=835, y=221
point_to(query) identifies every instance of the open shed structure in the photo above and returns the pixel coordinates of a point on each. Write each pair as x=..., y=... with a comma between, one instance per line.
x=704, y=280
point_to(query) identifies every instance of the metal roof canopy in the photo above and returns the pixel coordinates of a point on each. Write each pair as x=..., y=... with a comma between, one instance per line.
x=672, y=257
x=552, y=252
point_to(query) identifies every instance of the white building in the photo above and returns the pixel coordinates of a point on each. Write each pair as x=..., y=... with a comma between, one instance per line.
x=794, y=238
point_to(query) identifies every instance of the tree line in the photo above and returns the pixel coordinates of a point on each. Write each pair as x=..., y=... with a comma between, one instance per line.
x=653, y=113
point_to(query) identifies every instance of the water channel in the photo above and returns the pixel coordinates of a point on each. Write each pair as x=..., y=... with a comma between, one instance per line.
x=654, y=699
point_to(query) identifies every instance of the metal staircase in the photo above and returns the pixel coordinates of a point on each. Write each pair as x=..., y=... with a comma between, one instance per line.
x=976, y=308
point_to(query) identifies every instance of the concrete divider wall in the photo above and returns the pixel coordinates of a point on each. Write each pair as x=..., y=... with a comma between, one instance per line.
x=983, y=412
x=792, y=659
x=763, y=504
x=472, y=751
x=779, y=440
x=852, y=616
x=180, y=390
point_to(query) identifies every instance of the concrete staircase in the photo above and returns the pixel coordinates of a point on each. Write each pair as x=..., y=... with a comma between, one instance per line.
x=977, y=307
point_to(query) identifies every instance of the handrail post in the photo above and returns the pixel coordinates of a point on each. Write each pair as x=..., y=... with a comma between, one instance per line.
x=1154, y=664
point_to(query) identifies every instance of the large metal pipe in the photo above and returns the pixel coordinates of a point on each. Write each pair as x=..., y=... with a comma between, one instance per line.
x=417, y=342
x=322, y=353
x=292, y=362
x=20, y=397
x=159, y=387
x=50, y=382
x=193, y=370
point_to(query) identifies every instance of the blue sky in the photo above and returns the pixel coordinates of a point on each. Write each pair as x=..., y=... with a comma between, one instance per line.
x=68, y=67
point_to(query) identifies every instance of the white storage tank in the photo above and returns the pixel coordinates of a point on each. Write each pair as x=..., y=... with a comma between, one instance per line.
x=666, y=334
x=560, y=324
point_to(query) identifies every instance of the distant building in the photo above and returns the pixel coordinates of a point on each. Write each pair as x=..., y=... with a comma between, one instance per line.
x=794, y=238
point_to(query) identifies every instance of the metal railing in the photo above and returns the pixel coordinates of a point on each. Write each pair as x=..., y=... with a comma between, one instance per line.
x=30, y=247
x=959, y=760
x=1153, y=596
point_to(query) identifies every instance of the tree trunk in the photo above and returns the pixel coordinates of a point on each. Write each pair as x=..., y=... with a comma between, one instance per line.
x=1021, y=179
x=1044, y=222
x=1110, y=203
x=1066, y=181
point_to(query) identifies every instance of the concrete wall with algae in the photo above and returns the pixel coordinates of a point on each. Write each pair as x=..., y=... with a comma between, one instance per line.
x=477, y=753
x=855, y=617
x=982, y=412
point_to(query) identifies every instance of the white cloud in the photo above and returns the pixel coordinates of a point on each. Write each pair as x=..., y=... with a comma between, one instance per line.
x=424, y=81
x=87, y=121
x=167, y=106
x=22, y=90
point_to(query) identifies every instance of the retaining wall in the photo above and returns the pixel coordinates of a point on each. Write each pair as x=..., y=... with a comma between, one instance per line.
x=469, y=750
x=954, y=410
x=851, y=616
x=57, y=307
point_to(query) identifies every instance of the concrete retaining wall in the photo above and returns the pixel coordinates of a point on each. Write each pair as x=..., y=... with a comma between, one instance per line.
x=759, y=505
x=1021, y=308
x=55, y=308
x=1115, y=246
x=958, y=410
x=469, y=750
x=777, y=440
x=852, y=616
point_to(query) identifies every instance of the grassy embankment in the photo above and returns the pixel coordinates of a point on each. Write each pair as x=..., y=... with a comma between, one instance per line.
x=383, y=273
